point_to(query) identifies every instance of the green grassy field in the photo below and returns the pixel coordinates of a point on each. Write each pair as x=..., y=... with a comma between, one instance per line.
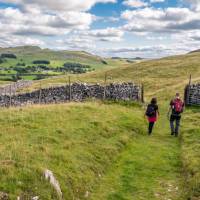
x=53, y=137
x=101, y=150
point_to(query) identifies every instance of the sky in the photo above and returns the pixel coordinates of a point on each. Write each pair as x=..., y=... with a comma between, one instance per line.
x=124, y=28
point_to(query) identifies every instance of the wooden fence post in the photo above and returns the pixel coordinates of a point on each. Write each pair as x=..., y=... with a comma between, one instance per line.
x=187, y=91
x=40, y=94
x=186, y=95
x=10, y=95
x=142, y=93
x=70, y=91
x=190, y=79
x=105, y=82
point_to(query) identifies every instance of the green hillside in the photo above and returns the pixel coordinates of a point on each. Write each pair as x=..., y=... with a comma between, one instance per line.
x=24, y=65
x=158, y=76
x=101, y=150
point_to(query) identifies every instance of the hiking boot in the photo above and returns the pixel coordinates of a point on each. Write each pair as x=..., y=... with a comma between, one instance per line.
x=172, y=133
x=176, y=134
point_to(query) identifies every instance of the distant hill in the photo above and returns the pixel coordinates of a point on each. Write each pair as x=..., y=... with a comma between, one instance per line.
x=23, y=59
x=195, y=51
x=136, y=58
x=37, y=52
x=170, y=74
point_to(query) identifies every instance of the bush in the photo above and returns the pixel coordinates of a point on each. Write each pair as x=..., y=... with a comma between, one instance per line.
x=75, y=68
x=41, y=62
x=20, y=64
x=104, y=62
x=16, y=77
x=21, y=70
x=43, y=67
x=8, y=55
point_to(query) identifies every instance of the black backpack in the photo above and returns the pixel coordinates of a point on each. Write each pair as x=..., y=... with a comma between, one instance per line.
x=150, y=112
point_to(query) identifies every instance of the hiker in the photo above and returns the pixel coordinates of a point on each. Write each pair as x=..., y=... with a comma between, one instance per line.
x=176, y=108
x=152, y=114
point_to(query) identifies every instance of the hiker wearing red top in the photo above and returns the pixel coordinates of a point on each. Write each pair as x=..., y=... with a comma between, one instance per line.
x=152, y=114
x=176, y=108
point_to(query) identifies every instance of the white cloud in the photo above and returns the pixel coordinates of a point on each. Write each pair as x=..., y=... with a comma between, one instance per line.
x=10, y=41
x=157, y=1
x=143, y=51
x=108, y=34
x=135, y=3
x=167, y=20
x=13, y=20
x=195, y=4
x=86, y=40
x=59, y=5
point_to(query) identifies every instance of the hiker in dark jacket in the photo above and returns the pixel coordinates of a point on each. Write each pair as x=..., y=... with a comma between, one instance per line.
x=176, y=108
x=152, y=114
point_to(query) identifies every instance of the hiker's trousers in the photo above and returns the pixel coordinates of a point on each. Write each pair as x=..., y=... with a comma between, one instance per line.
x=151, y=124
x=175, y=119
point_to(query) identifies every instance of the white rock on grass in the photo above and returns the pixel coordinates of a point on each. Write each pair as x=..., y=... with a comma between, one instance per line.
x=35, y=198
x=49, y=176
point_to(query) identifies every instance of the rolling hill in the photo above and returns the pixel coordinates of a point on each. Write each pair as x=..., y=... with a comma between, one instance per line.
x=23, y=58
x=166, y=74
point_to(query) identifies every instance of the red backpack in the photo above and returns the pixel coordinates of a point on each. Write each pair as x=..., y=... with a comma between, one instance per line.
x=178, y=106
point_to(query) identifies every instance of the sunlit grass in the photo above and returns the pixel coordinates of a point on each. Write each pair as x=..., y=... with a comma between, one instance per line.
x=100, y=150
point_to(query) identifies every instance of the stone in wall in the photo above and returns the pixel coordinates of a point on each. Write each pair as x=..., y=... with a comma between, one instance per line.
x=14, y=87
x=193, y=94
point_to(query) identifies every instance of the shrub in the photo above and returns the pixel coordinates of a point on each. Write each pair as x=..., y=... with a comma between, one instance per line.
x=41, y=62
x=75, y=68
x=16, y=77
x=8, y=55
x=20, y=70
x=20, y=64
x=104, y=62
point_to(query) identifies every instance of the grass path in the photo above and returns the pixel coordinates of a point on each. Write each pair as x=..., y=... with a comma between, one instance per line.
x=149, y=168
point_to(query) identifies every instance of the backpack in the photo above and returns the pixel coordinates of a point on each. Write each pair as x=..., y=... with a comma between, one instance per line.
x=150, y=112
x=178, y=106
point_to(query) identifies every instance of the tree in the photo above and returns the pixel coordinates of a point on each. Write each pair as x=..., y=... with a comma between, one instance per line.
x=40, y=62
x=8, y=55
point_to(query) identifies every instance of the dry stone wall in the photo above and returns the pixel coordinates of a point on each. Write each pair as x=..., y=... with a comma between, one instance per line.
x=14, y=87
x=192, y=94
x=75, y=92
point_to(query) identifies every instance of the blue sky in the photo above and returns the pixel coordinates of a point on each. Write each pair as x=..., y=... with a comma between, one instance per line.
x=126, y=28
